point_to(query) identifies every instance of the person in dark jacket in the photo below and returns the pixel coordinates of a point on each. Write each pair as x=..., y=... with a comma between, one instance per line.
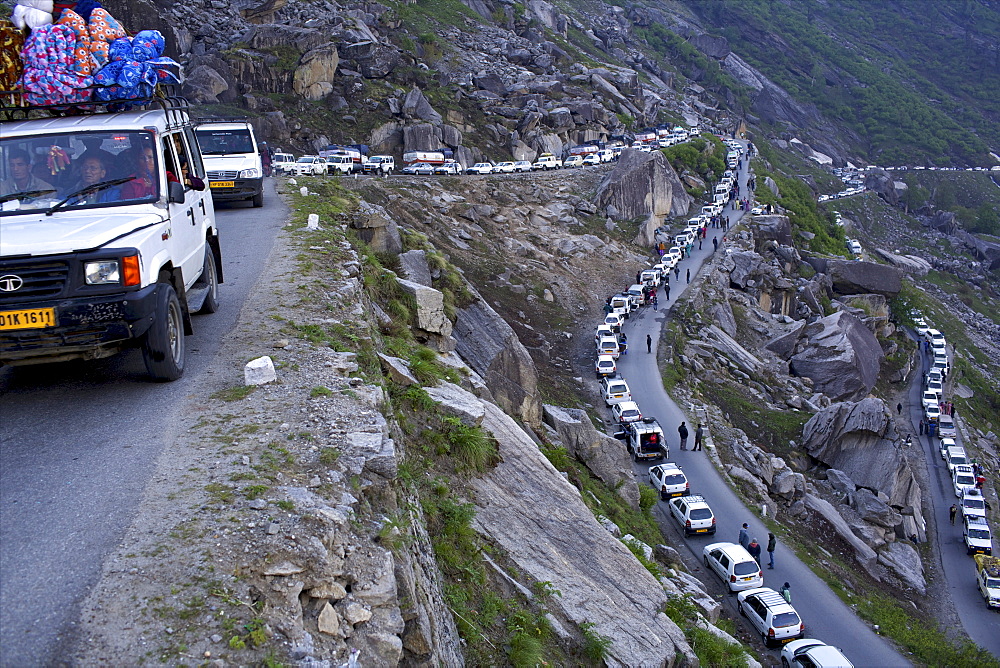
x=744, y=539
x=754, y=549
x=699, y=433
x=772, y=542
x=682, y=431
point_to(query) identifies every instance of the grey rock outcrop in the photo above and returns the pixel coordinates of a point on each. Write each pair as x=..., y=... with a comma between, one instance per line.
x=430, y=307
x=453, y=400
x=606, y=457
x=911, y=264
x=841, y=357
x=865, y=555
x=852, y=277
x=416, y=106
x=643, y=184
x=313, y=78
x=525, y=503
x=378, y=230
x=784, y=345
x=904, y=560
x=882, y=183
x=772, y=228
x=491, y=347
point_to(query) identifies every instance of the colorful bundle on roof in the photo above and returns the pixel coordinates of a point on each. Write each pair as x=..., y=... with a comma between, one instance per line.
x=85, y=55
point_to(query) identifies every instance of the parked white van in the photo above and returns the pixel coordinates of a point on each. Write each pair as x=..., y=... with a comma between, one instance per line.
x=232, y=159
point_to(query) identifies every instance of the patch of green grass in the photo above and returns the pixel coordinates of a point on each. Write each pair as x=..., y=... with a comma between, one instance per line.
x=219, y=492
x=285, y=504
x=328, y=456
x=320, y=391
x=255, y=491
x=595, y=646
x=771, y=429
x=234, y=393
x=710, y=649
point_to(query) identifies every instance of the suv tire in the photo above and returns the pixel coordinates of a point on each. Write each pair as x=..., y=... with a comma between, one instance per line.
x=210, y=277
x=163, y=345
x=258, y=200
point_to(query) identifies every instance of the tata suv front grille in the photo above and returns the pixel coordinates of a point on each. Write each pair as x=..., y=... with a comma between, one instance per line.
x=23, y=281
x=220, y=175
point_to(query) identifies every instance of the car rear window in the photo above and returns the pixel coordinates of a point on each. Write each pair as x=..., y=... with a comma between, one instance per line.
x=746, y=568
x=965, y=480
x=975, y=504
x=705, y=514
x=979, y=533
x=675, y=479
x=783, y=619
x=630, y=414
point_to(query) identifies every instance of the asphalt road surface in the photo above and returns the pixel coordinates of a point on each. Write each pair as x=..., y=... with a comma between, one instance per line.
x=981, y=624
x=78, y=442
x=825, y=615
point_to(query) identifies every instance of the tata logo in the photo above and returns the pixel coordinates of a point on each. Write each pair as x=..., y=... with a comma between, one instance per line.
x=10, y=283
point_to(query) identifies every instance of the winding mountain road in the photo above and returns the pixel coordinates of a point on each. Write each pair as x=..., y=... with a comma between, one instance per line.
x=825, y=615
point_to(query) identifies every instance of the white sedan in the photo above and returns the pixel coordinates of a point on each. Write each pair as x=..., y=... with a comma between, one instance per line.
x=592, y=159
x=757, y=211
x=810, y=652
x=480, y=168
x=626, y=411
x=504, y=168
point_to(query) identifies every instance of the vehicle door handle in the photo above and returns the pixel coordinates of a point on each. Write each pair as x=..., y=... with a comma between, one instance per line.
x=201, y=203
x=190, y=213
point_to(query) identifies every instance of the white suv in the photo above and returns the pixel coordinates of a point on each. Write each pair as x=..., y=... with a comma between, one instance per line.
x=615, y=391
x=733, y=565
x=973, y=504
x=773, y=617
x=810, y=653
x=977, y=535
x=310, y=165
x=693, y=514
x=669, y=480
x=116, y=251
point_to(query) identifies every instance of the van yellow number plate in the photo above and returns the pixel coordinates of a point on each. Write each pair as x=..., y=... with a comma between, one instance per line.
x=35, y=318
x=223, y=184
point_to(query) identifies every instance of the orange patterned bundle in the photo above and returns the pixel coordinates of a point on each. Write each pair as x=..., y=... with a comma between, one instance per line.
x=11, y=43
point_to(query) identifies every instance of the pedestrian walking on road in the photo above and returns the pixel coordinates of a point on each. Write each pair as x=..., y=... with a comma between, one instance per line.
x=649, y=343
x=682, y=431
x=677, y=273
x=771, y=544
x=754, y=549
x=715, y=242
x=699, y=433
x=786, y=592
x=699, y=243
x=899, y=409
x=921, y=426
x=689, y=274
x=952, y=512
x=666, y=290
x=744, y=535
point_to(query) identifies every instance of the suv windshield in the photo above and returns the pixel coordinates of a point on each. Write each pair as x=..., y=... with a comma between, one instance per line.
x=86, y=169
x=222, y=142
x=746, y=568
x=983, y=534
x=975, y=504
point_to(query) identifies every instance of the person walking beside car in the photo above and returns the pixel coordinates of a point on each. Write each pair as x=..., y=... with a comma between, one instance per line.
x=786, y=592
x=952, y=512
x=698, y=434
x=744, y=535
x=771, y=544
x=689, y=274
x=682, y=431
x=754, y=549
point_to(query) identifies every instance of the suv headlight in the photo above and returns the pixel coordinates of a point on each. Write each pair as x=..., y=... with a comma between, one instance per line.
x=102, y=272
x=250, y=173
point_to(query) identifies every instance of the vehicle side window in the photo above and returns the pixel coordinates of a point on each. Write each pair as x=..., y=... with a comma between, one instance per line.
x=169, y=160
x=724, y=560
x=197, y=167
x=183, y=158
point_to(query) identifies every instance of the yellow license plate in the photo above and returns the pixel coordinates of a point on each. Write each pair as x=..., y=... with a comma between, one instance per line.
x=223, y=184
x=700, y=530
x=35, y=318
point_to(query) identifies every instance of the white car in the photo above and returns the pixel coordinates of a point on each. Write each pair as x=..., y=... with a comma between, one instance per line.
x=930, y=399
x=592, y=159
x=418, y=169
x=615, y=391
x=603, y=331
x=626, y=411
x=310, y=165
x=962, y=479
x=449, y=167
x=774, y=618
x=504, y=168
x=676, y=253
x=935, y=337
x=609, y=345
x=757, y=211
x=547, y=161
x=574, y=161
x=921, y=327
x=944, y=445
x=936, y=387
x=614, y=321
x=605, y=366
x=934, y=375
x=973, y=504
x=734, y=566
x=669, y=480
x=932, y=413
x=810, y=653
x=976, y=532
x=941, y=364
x=522, y=166
x=480, y=168
x=854, y=246
x=693, y=514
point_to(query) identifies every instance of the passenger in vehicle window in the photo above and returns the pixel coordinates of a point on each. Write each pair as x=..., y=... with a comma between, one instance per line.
x=94, y=171
x=21, y=179
x=145, y=180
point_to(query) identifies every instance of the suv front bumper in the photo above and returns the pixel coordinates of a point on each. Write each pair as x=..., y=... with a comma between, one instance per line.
x=241, y=189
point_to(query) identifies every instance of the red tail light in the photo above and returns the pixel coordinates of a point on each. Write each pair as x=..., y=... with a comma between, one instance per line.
x=770, y=633
x=663, y=488
x=802, y=626
x=760, y=574
x=688, y=524
x=687, y=486
x=732, y=578
x=713, y=521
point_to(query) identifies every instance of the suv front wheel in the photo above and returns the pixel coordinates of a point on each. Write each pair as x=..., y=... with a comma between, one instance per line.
x=163, y=346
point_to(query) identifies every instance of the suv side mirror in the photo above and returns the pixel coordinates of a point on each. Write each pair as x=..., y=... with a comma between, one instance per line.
x=175, y=193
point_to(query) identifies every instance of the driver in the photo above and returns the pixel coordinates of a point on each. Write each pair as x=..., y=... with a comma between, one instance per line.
x=93, y=169
x=21, y=179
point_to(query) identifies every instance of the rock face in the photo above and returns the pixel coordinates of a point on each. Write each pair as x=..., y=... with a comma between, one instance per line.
x=524, y=504
x=314, y=76
x=378, y=230
x=841, y=357
x=643, y=184
x=772, y=228
x=430, y=307
x=850, y=278
x=491, y=347
x=860, y=441
x=606, y=457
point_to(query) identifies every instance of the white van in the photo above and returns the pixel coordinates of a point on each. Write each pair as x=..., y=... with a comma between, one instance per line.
x=339, y=164
x=232, y=159
x=282, y=163
x=956, y=456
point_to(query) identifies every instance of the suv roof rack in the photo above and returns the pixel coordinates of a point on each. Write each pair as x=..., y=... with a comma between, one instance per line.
x=171, y=102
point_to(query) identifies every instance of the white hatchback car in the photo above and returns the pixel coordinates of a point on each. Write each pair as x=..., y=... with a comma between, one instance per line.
x=626, y=411
x=615, y=391
x=669, y=480
x=504, y=168
x=734, y=565
x=605, y=366
x=522, y=166
x=774, y=618
x=810, y=653
x=573, y=161
x=480, y=168
x=592, y=159
x=694, y=515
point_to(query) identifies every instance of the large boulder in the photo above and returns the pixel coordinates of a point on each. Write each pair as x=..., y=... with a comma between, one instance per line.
x=527, y=508
x=911, y=264
x=772, y=228
x=313, y=78
x=853, y=277
x=860, y=441
x=841, y=529
x=643, y=184
x=491, y=347
x=378, y=230
x=422, y=137
x=881, y=182
x=375, y=60
x=416, y=106
x=841, y=357
x=606, y=457
x=430, y=307
x=905, y=562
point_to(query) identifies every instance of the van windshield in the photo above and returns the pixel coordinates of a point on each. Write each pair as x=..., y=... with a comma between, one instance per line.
x=222, y=142
x=86, y=169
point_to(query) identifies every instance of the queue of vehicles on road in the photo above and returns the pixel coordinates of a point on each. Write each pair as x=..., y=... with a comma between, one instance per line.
x=967, y=481
x=767, y=611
